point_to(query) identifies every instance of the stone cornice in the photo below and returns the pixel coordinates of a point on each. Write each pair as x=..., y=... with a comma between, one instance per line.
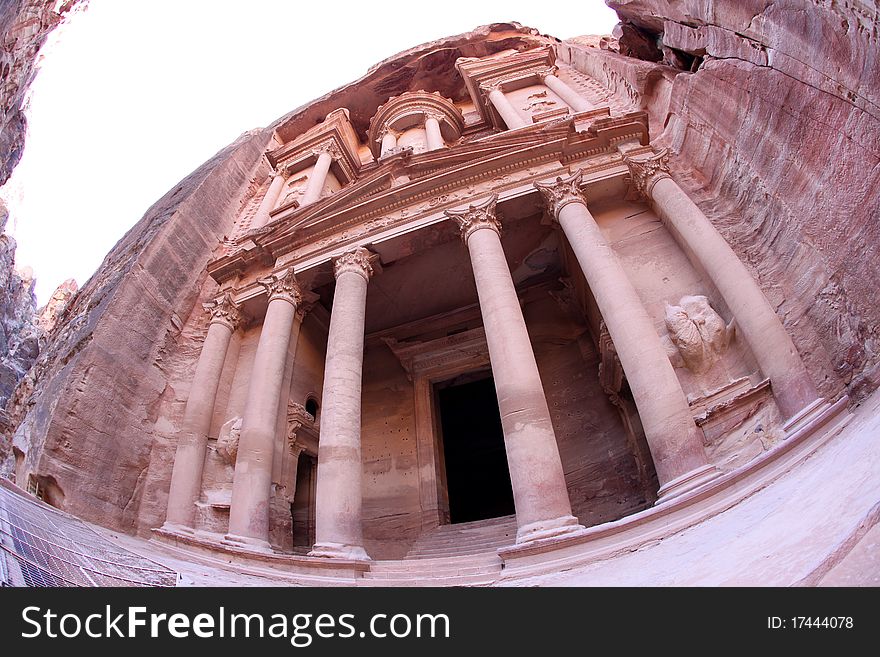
x=476, y=217
x=561, y=192
x=645, y=172
x=225, y=311
x=283, y=285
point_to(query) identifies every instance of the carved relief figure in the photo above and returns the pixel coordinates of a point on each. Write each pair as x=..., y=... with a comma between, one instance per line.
x=227, y=441
x=698, y=333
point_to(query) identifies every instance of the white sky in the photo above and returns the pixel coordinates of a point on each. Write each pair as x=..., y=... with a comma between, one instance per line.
x=132, y=96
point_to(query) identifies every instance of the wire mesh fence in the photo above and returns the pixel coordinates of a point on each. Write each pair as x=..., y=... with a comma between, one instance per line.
x=41, y=546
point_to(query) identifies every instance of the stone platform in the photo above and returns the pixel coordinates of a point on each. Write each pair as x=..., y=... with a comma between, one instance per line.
x=803, y=514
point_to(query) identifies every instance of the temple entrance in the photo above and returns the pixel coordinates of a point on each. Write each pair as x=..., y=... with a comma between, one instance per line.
x=303, y=508
x=477, y=478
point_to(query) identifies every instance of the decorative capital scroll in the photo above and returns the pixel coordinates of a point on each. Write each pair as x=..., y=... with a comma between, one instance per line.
x=562, y=192
x=328, y=146
x=437, y=116
x=645, y=173
x=545, y=72
x=283, y=285
x=356, y=261
x=224, y=311
x=481, y=215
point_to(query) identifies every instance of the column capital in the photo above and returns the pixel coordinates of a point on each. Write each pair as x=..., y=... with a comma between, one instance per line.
x=546, y=72
x=563, y=191
x=283, y=285
x=646, y=172
x=281, y=173
x=328, y=147
x=437, y=116
x=225, y=311
x=476, y=217
x=356, y=261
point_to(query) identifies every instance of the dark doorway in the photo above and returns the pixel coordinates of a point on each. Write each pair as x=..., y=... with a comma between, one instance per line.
x=302, y=509
x=477, y=478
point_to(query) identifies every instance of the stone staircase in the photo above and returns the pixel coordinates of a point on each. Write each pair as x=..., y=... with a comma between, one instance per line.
x=463, y=554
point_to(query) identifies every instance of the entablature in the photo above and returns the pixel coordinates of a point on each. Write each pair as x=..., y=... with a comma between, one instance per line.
x=376, y=207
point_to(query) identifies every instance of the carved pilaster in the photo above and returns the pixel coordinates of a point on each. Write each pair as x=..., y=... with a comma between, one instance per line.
x=645, y=172
x=476, y=217
x=562, y=192
x=356, y=261
x=283, y=285
x=224, y=311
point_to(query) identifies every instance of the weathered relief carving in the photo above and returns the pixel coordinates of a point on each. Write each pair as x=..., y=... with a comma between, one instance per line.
x=227, y=441
x=698, y=333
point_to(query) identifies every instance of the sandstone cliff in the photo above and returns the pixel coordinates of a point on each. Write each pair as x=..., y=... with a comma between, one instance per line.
x=19, y=333
x=24, y=26
x=772, y=113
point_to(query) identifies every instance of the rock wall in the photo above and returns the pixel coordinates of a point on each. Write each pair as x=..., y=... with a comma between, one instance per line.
x=24, y=26
x=86, y=412
x=771, y=110
x=19, y=333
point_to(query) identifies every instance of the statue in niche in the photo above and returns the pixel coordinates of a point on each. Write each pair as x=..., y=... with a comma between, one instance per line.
x=227, y=441
x=698, y=333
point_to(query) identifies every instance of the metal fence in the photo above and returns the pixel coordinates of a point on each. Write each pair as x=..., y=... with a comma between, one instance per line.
x=41, y=546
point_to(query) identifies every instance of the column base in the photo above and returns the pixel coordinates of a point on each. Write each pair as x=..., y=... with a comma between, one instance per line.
x=686, y=482
x=339, y=551
x=537, y=531
x=804, y=416
x=258, y=544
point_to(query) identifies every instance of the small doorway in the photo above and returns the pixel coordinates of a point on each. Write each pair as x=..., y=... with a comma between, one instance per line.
x=302, y=510
x=477, y=477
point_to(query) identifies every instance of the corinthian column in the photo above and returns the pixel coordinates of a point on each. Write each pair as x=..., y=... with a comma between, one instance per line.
x=189, y=461
x=315, y=186
x=252, y=481
x=389, y=142
x=571, y=97
x=756, y=320
x=676, y=443
x=338, y=531
x=539, y=491
x=508, y=112
x=261, y=218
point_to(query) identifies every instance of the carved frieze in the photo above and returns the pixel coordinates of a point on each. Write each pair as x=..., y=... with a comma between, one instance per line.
x=476, y=217
x=560, y=193
x=283, y=285
x=224, y=310
x=645, y=172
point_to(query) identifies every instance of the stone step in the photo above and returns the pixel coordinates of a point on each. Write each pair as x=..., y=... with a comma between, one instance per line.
x=485, y=579
x=451, y=566
x=489, y=559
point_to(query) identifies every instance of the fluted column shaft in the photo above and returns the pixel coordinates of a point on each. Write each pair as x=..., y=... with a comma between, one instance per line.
x=189, y=460
x=676, y=443
x=316, y=181
x=540, y=494
x=571, y=97
x=435, y=137
x=261, y=218
x=252, y=480
x=338, y=531
x=792, y=386
x=508, y=112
